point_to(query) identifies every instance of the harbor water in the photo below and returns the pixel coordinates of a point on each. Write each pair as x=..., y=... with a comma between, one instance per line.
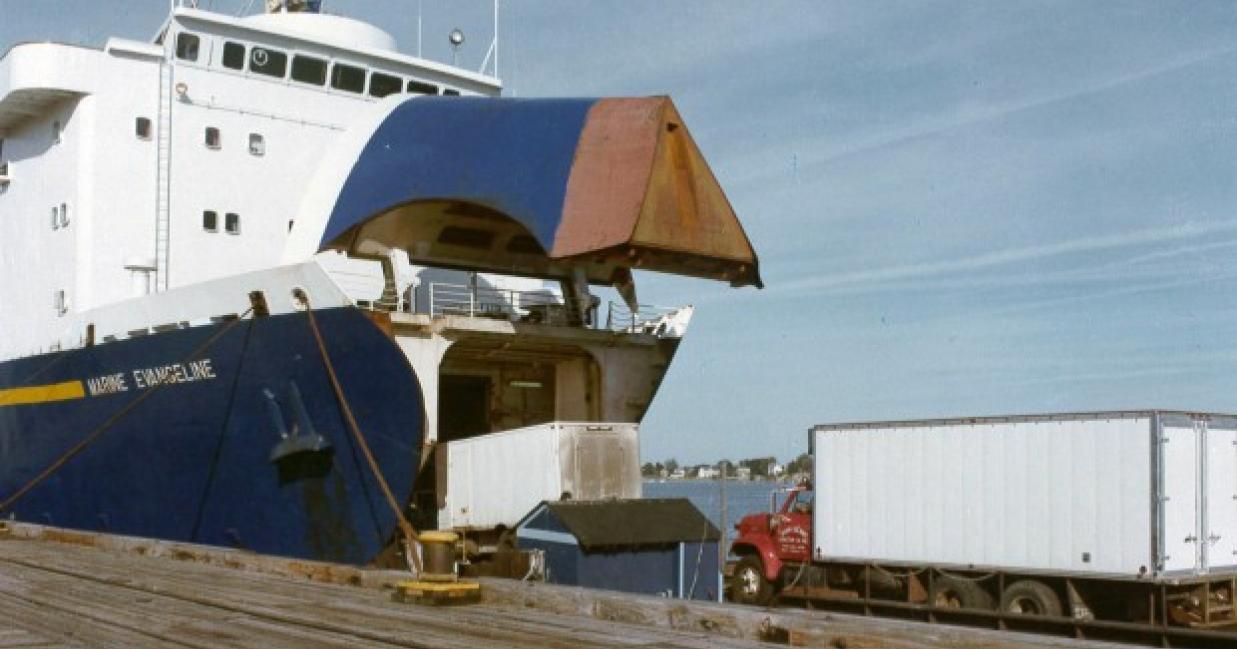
x=742, y=498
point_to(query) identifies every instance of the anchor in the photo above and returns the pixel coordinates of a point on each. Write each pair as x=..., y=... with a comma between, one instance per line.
x=301, y=452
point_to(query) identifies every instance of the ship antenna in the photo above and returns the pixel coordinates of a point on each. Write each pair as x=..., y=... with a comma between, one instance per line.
x=493, y=51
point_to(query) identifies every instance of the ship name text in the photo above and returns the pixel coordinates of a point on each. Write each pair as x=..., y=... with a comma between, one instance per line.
x=149, y=377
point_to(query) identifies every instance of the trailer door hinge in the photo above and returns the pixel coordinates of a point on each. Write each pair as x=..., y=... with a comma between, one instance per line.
x=1191, y=539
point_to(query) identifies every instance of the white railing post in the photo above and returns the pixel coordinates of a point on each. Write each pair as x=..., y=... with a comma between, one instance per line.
x=432, y=300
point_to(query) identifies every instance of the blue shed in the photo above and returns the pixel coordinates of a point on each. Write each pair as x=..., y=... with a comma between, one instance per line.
x=655, y=546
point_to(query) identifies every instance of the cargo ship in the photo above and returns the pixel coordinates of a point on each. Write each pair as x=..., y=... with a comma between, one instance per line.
x=256, y=271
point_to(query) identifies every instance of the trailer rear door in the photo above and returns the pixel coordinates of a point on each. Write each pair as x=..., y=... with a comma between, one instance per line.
x=1179, y=496
x=1221, y=477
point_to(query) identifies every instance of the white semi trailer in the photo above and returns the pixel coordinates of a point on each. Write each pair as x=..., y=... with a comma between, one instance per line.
x=1097, y=523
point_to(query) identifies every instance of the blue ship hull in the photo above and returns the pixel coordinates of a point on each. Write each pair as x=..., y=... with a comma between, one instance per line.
x=192, y=461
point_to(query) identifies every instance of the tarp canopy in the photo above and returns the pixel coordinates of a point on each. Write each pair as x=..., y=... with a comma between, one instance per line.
x=537, y=186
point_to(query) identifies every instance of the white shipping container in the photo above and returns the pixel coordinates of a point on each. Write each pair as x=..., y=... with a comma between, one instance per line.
x=496, y=479
x=1128, y=494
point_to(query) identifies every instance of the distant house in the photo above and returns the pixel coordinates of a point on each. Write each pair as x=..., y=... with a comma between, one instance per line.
x=678, y=474
x=743, y=473
x=707, y=473
x=777, y=470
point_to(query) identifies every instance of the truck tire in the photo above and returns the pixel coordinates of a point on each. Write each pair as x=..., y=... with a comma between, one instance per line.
x=1030, y=597
x=954, y=592
x=749, y=585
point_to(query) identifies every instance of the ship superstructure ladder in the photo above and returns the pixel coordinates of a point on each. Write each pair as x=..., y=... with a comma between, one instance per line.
x=163, y=190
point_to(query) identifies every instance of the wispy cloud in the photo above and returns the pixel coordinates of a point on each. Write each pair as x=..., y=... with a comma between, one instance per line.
x=978, y=113
x=1006, y=257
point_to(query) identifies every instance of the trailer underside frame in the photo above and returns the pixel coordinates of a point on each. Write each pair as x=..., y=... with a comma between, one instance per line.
x=1193, y=611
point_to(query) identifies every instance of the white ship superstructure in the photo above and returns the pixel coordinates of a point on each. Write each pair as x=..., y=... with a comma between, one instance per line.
x=143, y=167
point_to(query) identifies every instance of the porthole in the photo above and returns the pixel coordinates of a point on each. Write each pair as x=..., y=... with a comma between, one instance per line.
x=257, y=144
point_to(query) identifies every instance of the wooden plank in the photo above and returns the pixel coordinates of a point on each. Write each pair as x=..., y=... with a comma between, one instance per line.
x=14, y=638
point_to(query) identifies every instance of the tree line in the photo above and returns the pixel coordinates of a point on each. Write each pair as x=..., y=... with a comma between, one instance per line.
x=756, y=468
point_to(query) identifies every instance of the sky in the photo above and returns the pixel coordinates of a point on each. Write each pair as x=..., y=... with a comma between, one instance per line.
x=960, y=208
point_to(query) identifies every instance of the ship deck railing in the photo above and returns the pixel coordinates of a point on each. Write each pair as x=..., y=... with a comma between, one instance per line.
x=537, y=307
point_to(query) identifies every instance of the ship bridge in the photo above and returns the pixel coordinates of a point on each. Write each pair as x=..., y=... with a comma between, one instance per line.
x=574, y=189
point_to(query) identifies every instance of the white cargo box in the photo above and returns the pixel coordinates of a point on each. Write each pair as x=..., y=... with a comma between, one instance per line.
x=1134, y=494
x=496, y=479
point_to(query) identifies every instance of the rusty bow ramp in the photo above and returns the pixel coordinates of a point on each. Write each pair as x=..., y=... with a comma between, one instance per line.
x=528, y=186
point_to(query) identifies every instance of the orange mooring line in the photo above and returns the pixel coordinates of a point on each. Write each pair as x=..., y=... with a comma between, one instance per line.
x=410, y=534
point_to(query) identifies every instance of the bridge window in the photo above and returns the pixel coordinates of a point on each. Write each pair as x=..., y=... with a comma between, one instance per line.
x=347, y=77
x=422, y=88
x=56, y=131
x=210, y=221
x=234, y=56
x=213, y=139
x=450, y=92
x=257, y=144
x=307, y=69
x=187, y=46
x=232, y=223
x=381, y=85
x=142, y=128
x=271, y=63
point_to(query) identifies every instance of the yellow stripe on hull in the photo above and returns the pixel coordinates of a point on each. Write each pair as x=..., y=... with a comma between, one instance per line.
x=42, y=393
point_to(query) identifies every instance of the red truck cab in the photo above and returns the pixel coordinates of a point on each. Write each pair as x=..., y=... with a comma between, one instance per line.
x=768, y=542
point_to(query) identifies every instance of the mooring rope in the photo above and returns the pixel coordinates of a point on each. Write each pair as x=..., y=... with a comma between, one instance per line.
x=410, y=534
x=86, y=441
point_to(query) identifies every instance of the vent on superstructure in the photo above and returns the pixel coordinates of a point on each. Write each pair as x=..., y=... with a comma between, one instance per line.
x=4, y=174
x=213, y=138
x=60, y=302
x=142, y=128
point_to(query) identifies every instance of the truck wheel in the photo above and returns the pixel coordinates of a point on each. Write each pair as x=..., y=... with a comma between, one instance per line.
x=1030, y=597
x=749, y=585
x=952, y=592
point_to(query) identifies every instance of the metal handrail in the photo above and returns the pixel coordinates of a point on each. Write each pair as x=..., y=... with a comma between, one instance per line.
x=646, y=319
x=539, y=306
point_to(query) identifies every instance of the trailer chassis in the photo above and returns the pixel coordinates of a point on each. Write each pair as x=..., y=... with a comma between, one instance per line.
x=1190, y=611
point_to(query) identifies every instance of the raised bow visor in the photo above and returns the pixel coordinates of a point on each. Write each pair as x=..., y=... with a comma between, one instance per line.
x=536, y=187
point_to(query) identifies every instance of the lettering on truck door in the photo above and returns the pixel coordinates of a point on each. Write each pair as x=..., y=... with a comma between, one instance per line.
x=793, y=527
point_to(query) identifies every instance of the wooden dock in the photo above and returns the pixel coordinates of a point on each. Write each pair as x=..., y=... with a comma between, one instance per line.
x=60, y=588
